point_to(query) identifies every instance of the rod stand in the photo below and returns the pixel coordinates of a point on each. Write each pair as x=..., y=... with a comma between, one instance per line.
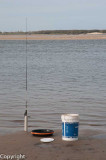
x=25, y=121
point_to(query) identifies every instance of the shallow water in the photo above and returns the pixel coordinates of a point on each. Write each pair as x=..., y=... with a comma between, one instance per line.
x=67, y=76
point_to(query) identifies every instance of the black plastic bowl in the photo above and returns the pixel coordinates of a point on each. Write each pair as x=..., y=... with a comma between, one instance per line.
x=42, y=132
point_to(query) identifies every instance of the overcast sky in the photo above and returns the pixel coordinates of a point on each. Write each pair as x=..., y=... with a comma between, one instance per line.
x=52, y=14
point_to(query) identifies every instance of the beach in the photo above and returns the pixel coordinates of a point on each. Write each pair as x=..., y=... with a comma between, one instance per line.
x=90, y=146
x=53, y=37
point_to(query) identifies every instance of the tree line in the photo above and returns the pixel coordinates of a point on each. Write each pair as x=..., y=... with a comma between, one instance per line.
x=54, y=32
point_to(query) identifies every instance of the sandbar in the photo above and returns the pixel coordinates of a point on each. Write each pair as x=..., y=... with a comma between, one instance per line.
x=53, y=37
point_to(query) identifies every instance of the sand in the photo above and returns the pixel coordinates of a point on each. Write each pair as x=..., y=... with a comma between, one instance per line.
x=53, y=37
x=90, y=146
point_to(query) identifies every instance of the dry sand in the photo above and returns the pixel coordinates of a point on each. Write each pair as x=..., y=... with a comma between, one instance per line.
x=53, y=37
x=90, y=146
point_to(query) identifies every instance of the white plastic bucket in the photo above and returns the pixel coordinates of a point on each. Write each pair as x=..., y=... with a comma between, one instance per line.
x=70, y=126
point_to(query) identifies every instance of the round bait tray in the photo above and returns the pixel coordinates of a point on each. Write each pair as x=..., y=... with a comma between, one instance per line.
x=42, y=132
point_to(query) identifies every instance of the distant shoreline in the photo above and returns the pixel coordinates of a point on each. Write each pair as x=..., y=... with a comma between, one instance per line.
x=54, y=37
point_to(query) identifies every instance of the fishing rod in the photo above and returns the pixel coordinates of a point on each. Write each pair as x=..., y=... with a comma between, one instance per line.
x=26, y=106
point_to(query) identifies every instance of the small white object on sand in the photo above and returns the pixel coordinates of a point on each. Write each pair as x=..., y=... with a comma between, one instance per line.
x=46, y=140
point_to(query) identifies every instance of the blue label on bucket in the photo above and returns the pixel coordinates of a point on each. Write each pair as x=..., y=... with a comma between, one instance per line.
x=70, y=130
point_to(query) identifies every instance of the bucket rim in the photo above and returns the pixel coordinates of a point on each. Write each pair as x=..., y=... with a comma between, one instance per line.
x=69, y=114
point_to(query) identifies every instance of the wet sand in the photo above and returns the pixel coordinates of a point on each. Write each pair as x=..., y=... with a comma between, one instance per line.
x=53, y=37
x=90, y=146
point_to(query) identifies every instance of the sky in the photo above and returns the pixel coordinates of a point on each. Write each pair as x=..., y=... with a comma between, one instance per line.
x=52, y=14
